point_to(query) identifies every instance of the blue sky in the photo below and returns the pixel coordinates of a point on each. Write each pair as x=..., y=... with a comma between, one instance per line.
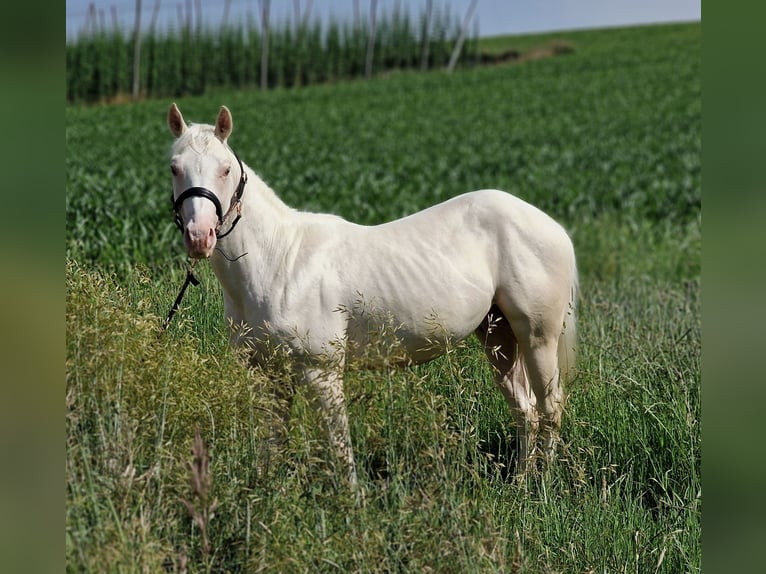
x=494, y=16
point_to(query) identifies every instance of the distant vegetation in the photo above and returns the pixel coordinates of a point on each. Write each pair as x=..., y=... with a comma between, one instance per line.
x=190, y=59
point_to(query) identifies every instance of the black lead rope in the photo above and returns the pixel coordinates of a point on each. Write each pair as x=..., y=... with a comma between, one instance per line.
x=190, y=279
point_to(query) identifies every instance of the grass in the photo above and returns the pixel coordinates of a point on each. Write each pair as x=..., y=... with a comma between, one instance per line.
x=606, y=139
x=432, y=443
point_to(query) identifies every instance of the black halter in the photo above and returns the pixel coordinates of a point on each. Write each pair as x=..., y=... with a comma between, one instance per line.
x=209, y=195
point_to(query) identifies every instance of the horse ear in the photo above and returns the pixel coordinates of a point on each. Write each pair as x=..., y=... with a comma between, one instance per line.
x=223, y=124
x=176, y=121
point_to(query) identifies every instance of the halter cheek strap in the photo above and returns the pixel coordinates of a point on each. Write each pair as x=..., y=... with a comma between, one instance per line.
x=209, y=195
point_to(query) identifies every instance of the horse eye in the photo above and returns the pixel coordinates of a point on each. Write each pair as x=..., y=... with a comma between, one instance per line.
x=227, y=172
x=173, y=170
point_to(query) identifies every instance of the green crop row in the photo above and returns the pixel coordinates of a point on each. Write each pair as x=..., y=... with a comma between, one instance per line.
x=188, y=61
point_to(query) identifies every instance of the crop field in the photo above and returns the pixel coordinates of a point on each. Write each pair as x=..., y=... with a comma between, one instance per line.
x=190, y=60
x=606, y=139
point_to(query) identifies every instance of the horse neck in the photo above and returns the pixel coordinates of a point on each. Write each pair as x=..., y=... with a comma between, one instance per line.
x=262, y=207
x=266, y=231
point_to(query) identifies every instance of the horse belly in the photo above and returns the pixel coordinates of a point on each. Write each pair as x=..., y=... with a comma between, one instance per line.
x=418, y=328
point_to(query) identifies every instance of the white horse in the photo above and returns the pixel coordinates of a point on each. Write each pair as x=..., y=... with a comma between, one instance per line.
x=484, y=262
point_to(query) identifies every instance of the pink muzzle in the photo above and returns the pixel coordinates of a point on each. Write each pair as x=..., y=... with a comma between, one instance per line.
x=199, y=240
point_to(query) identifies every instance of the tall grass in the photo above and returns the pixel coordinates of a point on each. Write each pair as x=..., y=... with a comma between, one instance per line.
x=187, y=61
x=433, y=444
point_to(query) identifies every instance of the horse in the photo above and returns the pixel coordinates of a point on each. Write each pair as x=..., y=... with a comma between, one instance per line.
x=485, y=263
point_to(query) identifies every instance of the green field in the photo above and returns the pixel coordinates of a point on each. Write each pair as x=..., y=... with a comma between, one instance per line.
x=606, y=139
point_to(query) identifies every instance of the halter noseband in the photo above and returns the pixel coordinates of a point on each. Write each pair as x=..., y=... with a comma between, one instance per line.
x=209, y=195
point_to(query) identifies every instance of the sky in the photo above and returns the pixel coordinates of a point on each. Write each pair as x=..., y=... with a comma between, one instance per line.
x=495, y=17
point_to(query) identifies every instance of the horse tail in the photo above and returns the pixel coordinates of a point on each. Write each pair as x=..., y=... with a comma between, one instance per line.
x=567, y=347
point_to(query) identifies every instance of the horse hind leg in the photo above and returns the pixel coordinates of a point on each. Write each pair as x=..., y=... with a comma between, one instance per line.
x=539, y=346
x=501, y=348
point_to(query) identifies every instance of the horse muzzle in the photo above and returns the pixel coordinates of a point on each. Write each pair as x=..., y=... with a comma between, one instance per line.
x=199, y=237
x=199, y=240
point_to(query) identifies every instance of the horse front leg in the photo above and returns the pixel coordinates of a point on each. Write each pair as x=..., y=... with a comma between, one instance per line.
x=278, y=423
x=327, y=389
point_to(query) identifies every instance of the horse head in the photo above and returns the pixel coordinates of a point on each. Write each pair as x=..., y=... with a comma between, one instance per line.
x=207, y=175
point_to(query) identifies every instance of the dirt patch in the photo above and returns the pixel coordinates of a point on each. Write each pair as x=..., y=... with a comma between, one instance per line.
x=554, y=48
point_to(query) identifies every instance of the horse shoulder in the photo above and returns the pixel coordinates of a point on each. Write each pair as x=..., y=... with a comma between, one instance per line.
x=319, y=253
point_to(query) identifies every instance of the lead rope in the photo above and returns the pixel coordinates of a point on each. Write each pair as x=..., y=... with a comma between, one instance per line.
x=190, y=279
